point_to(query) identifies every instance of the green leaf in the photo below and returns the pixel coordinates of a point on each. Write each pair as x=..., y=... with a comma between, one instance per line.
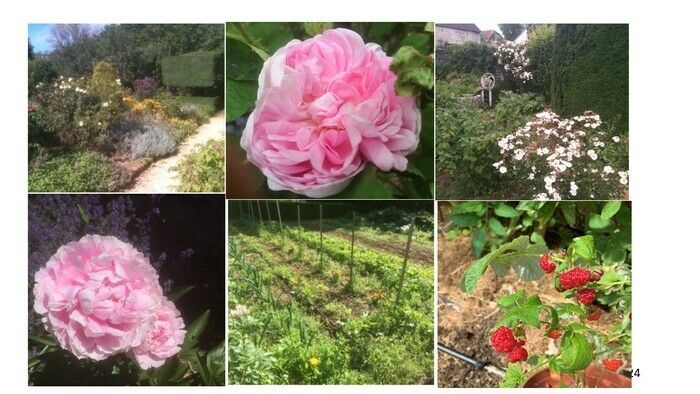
x=215, y=364
x=505, y=211
x=176, y=294
x=610, y=209
x=243, y=64
x=165, y=373
x=414, y=71
x=596, y=222
x=497, y=228
x=554, y=319
x=240, y=98
x=575, y=354
x=478, y=241
x=528, y=313
x=264, y=37
x=314, y=28
x=83, y=215
x=584, y=247
x=476, y=207
x=511, y=299
x=48, y=341
x=194, y=331
x=474, y=272
x=430, y=27
x=525, y=261
x=514, y=376
x=609, y=278
x=421, y=41
x=569, y=210
x=537, y=238
x=366, y=185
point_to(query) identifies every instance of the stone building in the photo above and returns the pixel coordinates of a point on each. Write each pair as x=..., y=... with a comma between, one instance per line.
x=457, y=33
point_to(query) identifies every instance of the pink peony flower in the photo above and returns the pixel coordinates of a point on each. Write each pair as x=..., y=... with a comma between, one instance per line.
x=164, y=339
x=100, y=296
x=325, y=107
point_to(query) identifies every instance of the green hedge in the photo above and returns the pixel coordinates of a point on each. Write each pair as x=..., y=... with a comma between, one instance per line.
x=467, y=58
x=193, y=70
x=590, y=71
x=540, y=42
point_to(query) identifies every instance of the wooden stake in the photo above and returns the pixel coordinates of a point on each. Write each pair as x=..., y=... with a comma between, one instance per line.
x=279, y=215
x=320, y=230
x=352, y=250
x=405, y=264
x=269, y=217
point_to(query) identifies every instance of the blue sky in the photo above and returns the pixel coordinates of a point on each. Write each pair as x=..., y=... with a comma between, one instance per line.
x=39, y=33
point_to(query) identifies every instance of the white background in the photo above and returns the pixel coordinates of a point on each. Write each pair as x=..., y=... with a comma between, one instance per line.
x=663, y=155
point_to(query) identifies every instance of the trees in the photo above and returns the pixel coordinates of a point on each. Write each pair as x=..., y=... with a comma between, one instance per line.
x=511, y=31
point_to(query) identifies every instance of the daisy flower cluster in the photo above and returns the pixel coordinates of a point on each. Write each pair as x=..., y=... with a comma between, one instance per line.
x=562, y=157
x=513, y=57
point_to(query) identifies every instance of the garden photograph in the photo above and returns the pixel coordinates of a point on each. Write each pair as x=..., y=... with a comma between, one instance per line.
x=534, y=294
x=126, y=108
x=330, y=110
x=330, y=292
x=532, y=111
x=126, y=290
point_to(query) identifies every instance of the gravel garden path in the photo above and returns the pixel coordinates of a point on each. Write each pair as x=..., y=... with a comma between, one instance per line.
x=158, y=177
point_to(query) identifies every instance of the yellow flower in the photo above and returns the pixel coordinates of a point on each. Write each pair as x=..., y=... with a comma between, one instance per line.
x=314, y=362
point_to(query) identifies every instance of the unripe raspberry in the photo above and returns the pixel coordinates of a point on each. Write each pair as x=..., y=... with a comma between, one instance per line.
x=546, y=264
x=596, y=275
x=575, y=277
x=586, y=296
x=517, y=354
x=503, y=340
x=612, y=364
x=595, y=315
x=554, y=334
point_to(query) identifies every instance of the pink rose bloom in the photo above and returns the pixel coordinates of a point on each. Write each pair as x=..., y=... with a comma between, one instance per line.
x=98, y=296
x=164, y=339
x=325, y=107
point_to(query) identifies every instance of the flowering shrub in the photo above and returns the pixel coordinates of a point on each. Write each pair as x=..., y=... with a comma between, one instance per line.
x=315, y=127
x=182, y=128
x=513, y=57
x=552, y=157
x=100, y=296
x=154, y=141
x=145, y=87
x=147, y=106
x=203, y=170
x=69, y=109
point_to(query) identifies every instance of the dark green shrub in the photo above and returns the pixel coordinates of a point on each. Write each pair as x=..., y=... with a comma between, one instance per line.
x=590, y=71
x=195, y=69
x=539, y=49
x=78, y=171
x=513, y=110
x=203, y=170
x=42, y=70
x=468, y=58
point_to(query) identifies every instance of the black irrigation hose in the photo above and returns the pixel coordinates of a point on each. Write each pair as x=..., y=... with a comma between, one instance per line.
x=478, y=364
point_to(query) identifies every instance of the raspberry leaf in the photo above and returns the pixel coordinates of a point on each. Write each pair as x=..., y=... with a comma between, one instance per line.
x=505, y=211
x=576, y=353
x=528, y=312
x=511, y=299
x=583, y=247
x=478, y=241
x=610, y=209
x=514, y=376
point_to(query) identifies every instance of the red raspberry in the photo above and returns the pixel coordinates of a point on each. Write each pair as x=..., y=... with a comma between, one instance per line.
x=612, y=364
x=517, y=354
x=595, y=315
x=554, y=334
x=586, y=296
x=575, y=277
x=546, y=264
x=503, y=340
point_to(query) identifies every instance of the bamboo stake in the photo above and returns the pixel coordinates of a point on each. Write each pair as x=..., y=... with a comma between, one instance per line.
x=352, y=250
x=260, y=214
